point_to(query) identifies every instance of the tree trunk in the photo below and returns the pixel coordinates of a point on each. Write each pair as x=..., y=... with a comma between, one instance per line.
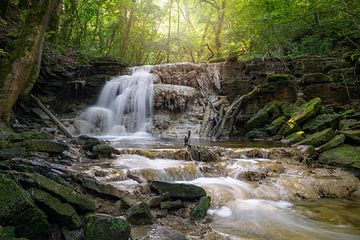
x=15, y=74
x=169, y=34
x=4, y=5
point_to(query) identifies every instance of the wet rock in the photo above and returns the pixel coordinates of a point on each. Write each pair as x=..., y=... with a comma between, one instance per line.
x=172, y=205
x=45, y=146
x=200, y=210
x=334, y=142
x=78, y=201
x=352, y=135
x=60, y=212
x=318, y=138
x=9, y=153
x=164, y=232
x=139, y=215
x=322, y=122
x=275, y=125
x=294, y=138
x=178, y=190
x=203, y=154
x=105, y=227
x=345, y=156
x=17, y=209
x=102, y=151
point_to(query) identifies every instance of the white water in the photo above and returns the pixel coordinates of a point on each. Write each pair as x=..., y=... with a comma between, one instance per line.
x=124, y=105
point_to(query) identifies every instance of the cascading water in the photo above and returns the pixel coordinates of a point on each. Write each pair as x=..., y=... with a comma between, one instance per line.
x=124, y=105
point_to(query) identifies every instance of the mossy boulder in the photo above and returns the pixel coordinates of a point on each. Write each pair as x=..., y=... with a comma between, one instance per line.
x=178, y=190
x=80, y=202
x=90, y=143
x=104, y=227
x=348, y=124
x=294, y=137
x=307, y=111
x=314, y=78
x=274, y=127
x=334, y=142
x=345, y=156
x=28, y=135
x=18, y=210
x=257, y=134
x=203, y=154
x=264, y=116
x=53, y=147
x=62, y=213
x=352, y=135
x=102, y=151
x=322, y=122
x=200, y=209
x=289, y=109
x=9, y=153
x=139, y=214
x=290, y=128
x=318, y=138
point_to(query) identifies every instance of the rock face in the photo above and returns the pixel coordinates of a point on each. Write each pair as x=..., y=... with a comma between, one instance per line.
x=105, y=227
x=178, y=190
x=18, y=210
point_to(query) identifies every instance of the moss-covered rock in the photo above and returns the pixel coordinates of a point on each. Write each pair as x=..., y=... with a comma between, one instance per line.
x=28, y=135
x=290, y=128
x=80, y=202
x=294, y=138
x=203, y=154
x=334, y=142
x=172, y=205
x=200, y=210
x=289, y=109
x=90, y=143
x=352, y=135
x=276, y=78
x=257, y=134
x=264, y=116
x=347, y=124
x=344, y=156
x=139, y=214
x=3, y=144
x=9, y=153
x=322, y=122
x=314, y=78
x=178, y=190
x=45, y=146
x=102, y=151
x=318, y=138
x=18, y=210
x=307, y=111
x=274, y=127
x=105, y=227
x=62, y=213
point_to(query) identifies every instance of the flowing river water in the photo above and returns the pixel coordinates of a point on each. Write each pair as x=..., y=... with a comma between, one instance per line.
x=253, y=197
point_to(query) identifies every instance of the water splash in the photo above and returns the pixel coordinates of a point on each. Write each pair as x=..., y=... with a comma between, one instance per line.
x=124, y=105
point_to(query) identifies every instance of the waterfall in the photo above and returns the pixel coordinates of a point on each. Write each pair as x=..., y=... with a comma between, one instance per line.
x=124, y=105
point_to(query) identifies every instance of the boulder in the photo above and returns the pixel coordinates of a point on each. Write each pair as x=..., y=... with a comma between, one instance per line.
x=90, y=142
x=203, y=154
x=200, y=210
x=307, y=111
x=352, y=135
x=80, y=202
x=344, y=156
x=334, y=142
x=104, y=227
x=257, y=133
x=62, y=213
x=28, y=135
x=290, y=128
x=347, y=124
x=172, y=205
x=9, y=153
x=322, y=122
x=178, y=190
x=318, y=138
x=18, y=210
x=102, y=151
x=44, y=146
x=265, y=115
x=274, y=127
x=139, y=215
x=294, y=138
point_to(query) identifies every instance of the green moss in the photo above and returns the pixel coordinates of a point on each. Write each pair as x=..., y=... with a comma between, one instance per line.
x=28, y=135
x=264, y=116
x=9, y=153
x=200, y=210
x=276, y=78
x=78, y=201
x=139, y=214
x=276, y=125
x=44, y=146
x=291, y=127
x=102, y=151
x=322, y=122
x=349, y=112
x=294, y=138
x=18, y=210
x=334, y=142
x=307, y=111
x=62, y=213
x=257, y=133
x=314, y=78
x=318, y=138
x=352, y=135
x=90, y=143
x=105, y=228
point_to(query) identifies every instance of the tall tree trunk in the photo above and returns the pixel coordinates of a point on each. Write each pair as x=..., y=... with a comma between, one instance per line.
x=219, y=26
x=15, y=74
x=4, y=5
x=169, y=33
